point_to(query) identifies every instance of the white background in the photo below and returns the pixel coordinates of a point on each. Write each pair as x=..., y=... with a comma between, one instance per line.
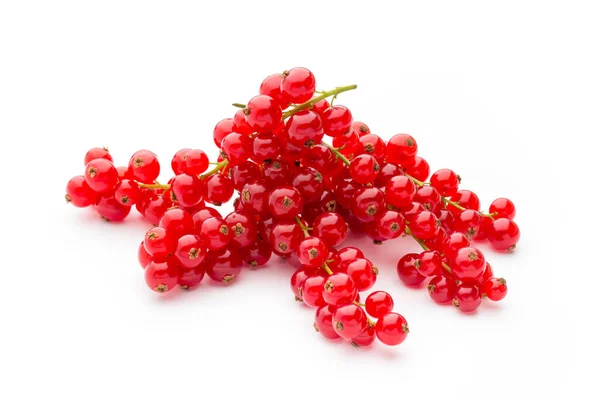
x=505, y=93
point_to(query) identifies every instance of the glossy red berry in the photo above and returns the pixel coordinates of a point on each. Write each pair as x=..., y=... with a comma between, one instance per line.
x=312, y=252
x=240, y=125
x=324, y=321
x=467, y=297
x=271, y=87
x=222, y=129
x=466, y=199
x=407, y=271
x=186, y=190
x=309, y=182
x=298, y=279
x=339, y=289
x=400, y=191
x=219, y=189
x=350, y=253
x=215, y=233
x=223, y=265
x=236, y=148
x=124, y=173
x=127, y=192
x=504, y=234
x=265, y=147
x=79, y=193
x=468, y=222
x=244, y=230
x=298, y=85
x=387, y=172
x=349, y=321
x=202, y=215
x=373, y=145
x=285, y=236
x=159, y=243
x=468, y=264
x=304, y=128
x=330, y=227
x=430, y=198
x=320, y=106
x=178, y=161
x=366, y=338
x=401, y=149
x=162, y=276
x=196, y=162
x=453, y=243
x=430, y=263
x=369, y=203
x=285, y=202
x=191, y=277
x=177, y=222
x=445, y=181
x=254, y=197
x=190, y=251
x=418, y=169
x=95, y=153
x=347, y=143
x=243, y=173
x=391, y=329
x=312, y=291
x=110, y=209
x=361, y=128
x=503, y=208
x=263, y=113
x=390, y=224
x=379, y=304
x=144, y=257
x=364, y=169
x=362, y=272
x=442, y=288
x=144, y=166
x=257, y=253
x=424, y=225
x=101, y=175
x=337, y=121
x=494, y=289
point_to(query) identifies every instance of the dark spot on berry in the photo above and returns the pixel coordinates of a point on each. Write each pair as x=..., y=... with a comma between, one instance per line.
x=405, y=328
x=228, y=278
x=238, y=229
x=375, y=270
x=339, y=326
x=331, y=205
x=369, y=148
x=371, y=210
x=246, y=196
x=92, y=172
x=151, y=235
x=329, y=286
x=138, y=162
x=194, y=253
x=224, y=230
x=282, y=246
x=67, y=198
x=316, y=327
x=161, y=288
x=431, y=288
x=286, y=201
x=312, y=253
x=473, y=256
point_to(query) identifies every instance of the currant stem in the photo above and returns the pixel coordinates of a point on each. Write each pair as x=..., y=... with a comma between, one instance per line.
x=219, y=166
x=337, y=153
x=304, y=228
x=415, y=180
x=327, y=269
x=153, y=186
x=424, y=247
x=314, y=100
x=447, y=201
x=238, y=105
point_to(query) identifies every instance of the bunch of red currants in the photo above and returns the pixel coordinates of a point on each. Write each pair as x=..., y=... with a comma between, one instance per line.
x=297, y=198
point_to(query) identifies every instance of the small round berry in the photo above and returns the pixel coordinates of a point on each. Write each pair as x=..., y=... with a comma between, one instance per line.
x=504, y=234
x=467, y=297
x=331, y=228
x=162, y=276
x=215, y=233
x=324, y=321
x=144, y=257
x=236, y=148
x=347, y=143
x=379, y=304
x=95, y=153
x=218, y=189
x=369, y=203
x=190, y=251
x=127, y=192
x=271, y=87
x=430, y=263
x=255, y=197
x=445, y=181
x=312, y=252
x=223, y=265
x=466, y=199
x=399, y=191
x=442, y=289
x=311, y=291
x=222, y=129
x=401, y=148
x=468, y=264
x=430, y=198
x=362, y=272
x=144, y=166
x=285, y=236
x=337, y=121
x=178, y=162
x=298, y=85
x=79, y=193
x=390, y=225
x=366, y=338
x=298, y=279
x=186, y=190
x=494, y=289
x=202, y=215
x=258, y=253
x=110, y=209
x=240, y=125
x=453, y=243
x=159, y=243
x=243, y=173
x=387, y=172
x=265, y=147
x=101, y=175
x=304, y=128
x=424, y=225
x=285, y=202
x=244, y=230
x=407, y=271
x=361, y=128
x=191, y=277
x=349, y=321
x=339, y=289
x=177, y=222
x=350, y=254
x=364, y=168
x=468, y=222
x=391, y=329
x=374, y=146
x=503, y=208
x=263, y=113
x=196, y=162
x=419, y=169
x=320, y=107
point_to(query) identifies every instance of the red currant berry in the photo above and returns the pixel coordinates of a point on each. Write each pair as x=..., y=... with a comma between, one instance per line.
x=468, y=222
x=285, y=202
x=312, y=252
x=494, y=289
x=390, y=224
x=366, y=338
x=271, y=87
x=162, y=276
x=391, y=329
x=144, y=166
x=219, y=189
x=378, y=304
x=202, y=215
x=442, y=289
x=468, y=297
x=243, y=173
x=186, y=190
x=309, y=182
x=240, y=125
x=419, y=169
x=349, y=321
x=339, y=289
x=110, y=209
x=350, y=254
x=177, y=222
x=401, y=148
x=196, y=162
x=304, y=128
x=95, y=153
x=361, y=128
x=387, y=172
x=445, y=181
x=127, y=192
x=320, y=107
x=236, y=148
x=362, y=272
x=337, y=121
x=243, y=228
x=424, y=225
x=101, y=175
x=144, y=257
x=324, y=321
x=155, y=207
x=446, y=220
x=159, y=243
x=285, y=236
x=430, y=198
x=191, y=277
x=454, y=243
x=215, y=233
x=254, y=197
x=124, y=173
x=364, y=169
x=223, y=265
x=190, y=251
x=369, y=204
x=348, y=143
x=468, y=264
x=298, y=85
x=276, y=172
x=265, y=147
x=430, y=263
x=311, y=291
x=222, y=129
x=263, y=113
x=504, y=234
x=503, y=208
x=464, y=198
x=373, y=145
x=399, y=191
x=487, y=274
x=298, y=279
x=79, y=193
x=407, y=271
x=331, y=228
x=178, y=163
x=257, y=254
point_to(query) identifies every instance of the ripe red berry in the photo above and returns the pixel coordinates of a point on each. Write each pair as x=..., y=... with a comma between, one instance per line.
x=430, y=263
x=445, y=181
x=320, y=106
x=285, y=202
x=154, y=207
x=387, y=172
x=466, y=199
x=219, y=189
x=364, y=169
x=271, y=87
x=324, y=321
x=362, y=272
x=186, y=190
x=503, y=208
x=190, y=251
x=223, y=265
x=468, y=264
x=144, y=257
x=179, y=160
x=202, y=215
x=309, y=182
x=298, y=85
x=144, y=166
x=312, y=252
x=222, y=129
x=494, y=289
x=110, y=209
x=263, y=114
x=285, y=236
x=390, y=224
x=265, y=147
x=407, y=271
x=258, y=253
x=304, y=128
x=467, y=297
x=330, y=227
x=454, y=243
x=418, y=169
x=196, y=162
x=254, y=197
x=442, y=289
x=337, y=121
x=468, y=222
x=379, y=304
x=101, y=175
x=95, y=153
x=369, y=204
x=391, y=329
x=243, y=173
x=504, y=234
x=127, y=192
x=191, y=277
x=159, y=243
x=399, y=191
x=366, y=338
x=312, y=291
x=430, y=198
x=361, y=128
x=347, y=143
x=349, y=321
x=177, y=222
x=372, y=145
x=339, y=289
x=240, y=125
x=401, y=149
x=215, y=233
x=350, y=253
x=424, y=225
x=236, y=148
x=162, y=276
x=298, y=279
x=79, y=193
x=243, y=228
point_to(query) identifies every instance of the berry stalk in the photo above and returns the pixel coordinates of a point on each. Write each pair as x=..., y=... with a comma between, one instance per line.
x=323, y=95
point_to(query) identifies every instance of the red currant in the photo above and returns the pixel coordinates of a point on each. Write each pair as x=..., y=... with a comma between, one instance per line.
x=379, y=304
x=399, y=191
x=504, y=234
x=445, y=181
x=101, y=175
x=190, y=251
x=215, y=233
x=349, y=321
x=95, y=153
x=144, y=166
x=337, y=121
x=442, y=289
x=312, y=252
x=223, y=265
x=468, y=297
x=186, y=190
x=364, y=169
x=298, y=85
x=196, y=162
x=407, y=271
x=468, y=264
x=401, y=148
x=324, y=321
x=162, y=276
x=495, y=289
x=285, y=202
x=503, y=208
x=263, y=113
x=391, y=329
x=79, y=193
x=177, y=222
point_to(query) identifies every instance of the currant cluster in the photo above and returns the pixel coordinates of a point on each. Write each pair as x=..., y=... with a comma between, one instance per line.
x=297, y=196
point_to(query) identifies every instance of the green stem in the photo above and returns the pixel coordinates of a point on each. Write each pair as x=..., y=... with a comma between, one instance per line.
x=415, y=180
x=337, y=153
x=327, y=269
x=314, y=100
x=219, y=166
x=304, y=228
x=424, y=247
x=153, y=186
x=238, y=105
x=447, y=201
